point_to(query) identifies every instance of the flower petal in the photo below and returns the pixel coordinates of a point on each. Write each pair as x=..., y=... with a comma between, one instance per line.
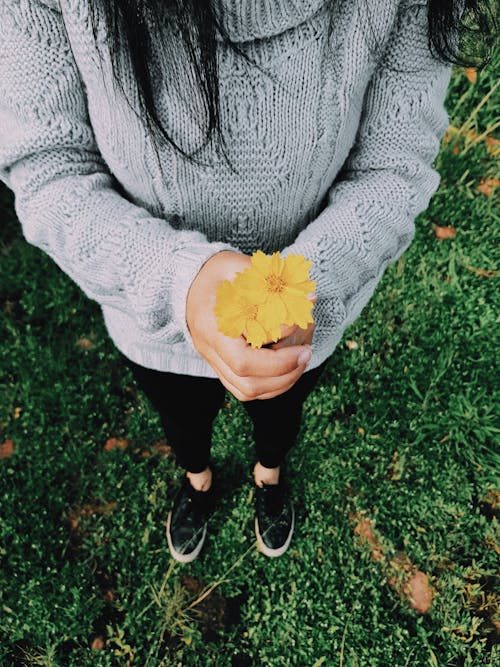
x=261, y=262
x=255, y=334
x=299, y=311
x=273, y=312
x=277, y=264
x=270, y=323
x=296, y=269
x=301, y=289
x=232, y=326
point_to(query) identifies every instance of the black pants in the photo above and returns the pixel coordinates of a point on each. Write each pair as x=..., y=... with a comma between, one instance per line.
x=188, y=405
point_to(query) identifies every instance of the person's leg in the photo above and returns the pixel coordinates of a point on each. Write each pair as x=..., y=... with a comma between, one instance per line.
x=187, y=406
x=276, y=423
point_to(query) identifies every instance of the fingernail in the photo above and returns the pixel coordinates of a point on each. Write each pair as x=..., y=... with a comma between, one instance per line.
x=304, y=356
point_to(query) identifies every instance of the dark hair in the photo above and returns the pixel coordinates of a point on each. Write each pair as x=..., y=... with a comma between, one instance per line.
x=144, y=38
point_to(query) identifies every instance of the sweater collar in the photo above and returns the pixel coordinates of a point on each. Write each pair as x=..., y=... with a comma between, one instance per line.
x=246, y=20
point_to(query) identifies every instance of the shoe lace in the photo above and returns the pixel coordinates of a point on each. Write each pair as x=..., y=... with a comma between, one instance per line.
x=198, y=506
x=186, y=513
x=273, y=500
x=190, y=509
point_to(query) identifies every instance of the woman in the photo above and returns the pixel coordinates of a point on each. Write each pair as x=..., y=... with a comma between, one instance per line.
x=328, y=115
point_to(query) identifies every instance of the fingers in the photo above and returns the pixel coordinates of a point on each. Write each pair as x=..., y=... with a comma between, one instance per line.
x=243, y=361
x=286, y=332
x=249, y=388
x=294, y=337
x=298, y=337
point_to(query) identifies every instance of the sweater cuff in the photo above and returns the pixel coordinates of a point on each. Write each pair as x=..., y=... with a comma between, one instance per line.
x=188, y=262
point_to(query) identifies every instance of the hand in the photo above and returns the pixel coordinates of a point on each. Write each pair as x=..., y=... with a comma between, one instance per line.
x=248, y=374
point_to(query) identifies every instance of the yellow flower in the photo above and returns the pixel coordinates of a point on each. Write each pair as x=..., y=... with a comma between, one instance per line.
x=238, y=314
x=280, y=287
x=271, y=292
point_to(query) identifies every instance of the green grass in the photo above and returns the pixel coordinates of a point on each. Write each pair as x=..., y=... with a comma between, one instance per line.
x=400, y=430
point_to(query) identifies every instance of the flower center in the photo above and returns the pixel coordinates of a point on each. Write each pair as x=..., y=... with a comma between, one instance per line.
x=275, y=283
x=251, y=311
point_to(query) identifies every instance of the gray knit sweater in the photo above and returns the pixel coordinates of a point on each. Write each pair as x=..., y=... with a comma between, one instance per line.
x=334, y=152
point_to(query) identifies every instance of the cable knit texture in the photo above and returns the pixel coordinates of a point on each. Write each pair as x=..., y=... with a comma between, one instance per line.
x=333, y=141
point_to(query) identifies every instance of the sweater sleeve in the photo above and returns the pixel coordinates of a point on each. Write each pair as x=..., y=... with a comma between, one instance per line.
x=386, y=181
x=66, y=199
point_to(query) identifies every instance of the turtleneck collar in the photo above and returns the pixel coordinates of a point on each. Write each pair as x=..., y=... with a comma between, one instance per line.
x=246, y=20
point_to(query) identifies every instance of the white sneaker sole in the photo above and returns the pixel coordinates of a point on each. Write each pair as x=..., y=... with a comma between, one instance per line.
x=176, y=555
x=272, y=553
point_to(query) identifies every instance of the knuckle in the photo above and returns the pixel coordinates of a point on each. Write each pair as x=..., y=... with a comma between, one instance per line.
x=236, y=393
x=248, y=390
x=291, y=367
x=265, y=397
x=240, y=367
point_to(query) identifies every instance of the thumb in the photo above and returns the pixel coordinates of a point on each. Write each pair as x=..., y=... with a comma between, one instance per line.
x=288, y=330
x=291, y=335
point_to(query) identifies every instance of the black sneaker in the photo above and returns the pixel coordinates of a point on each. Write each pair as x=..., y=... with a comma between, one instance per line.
x=274, y=518
x=187, y=521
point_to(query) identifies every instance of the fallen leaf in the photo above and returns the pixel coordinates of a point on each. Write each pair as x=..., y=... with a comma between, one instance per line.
x=410, y=582
x=396, y=467
x=450, y=133
x=363, y=528
x=97, y=644
x=471, y=137
x=89, y=509
x=109, y=595
x=490, y=504
x=402, y=575
x=17, y=413
x=419, y=592
x=6, y=449
x=361, y=430
x=444, y=232
x=471, y=74
x=487, y=185
x=486, y=273
x=459, y=133
x=161, y=447
x=85, y=343
x=492, y=146
x=493, y=498
x=116, y=443
x=400, y=563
